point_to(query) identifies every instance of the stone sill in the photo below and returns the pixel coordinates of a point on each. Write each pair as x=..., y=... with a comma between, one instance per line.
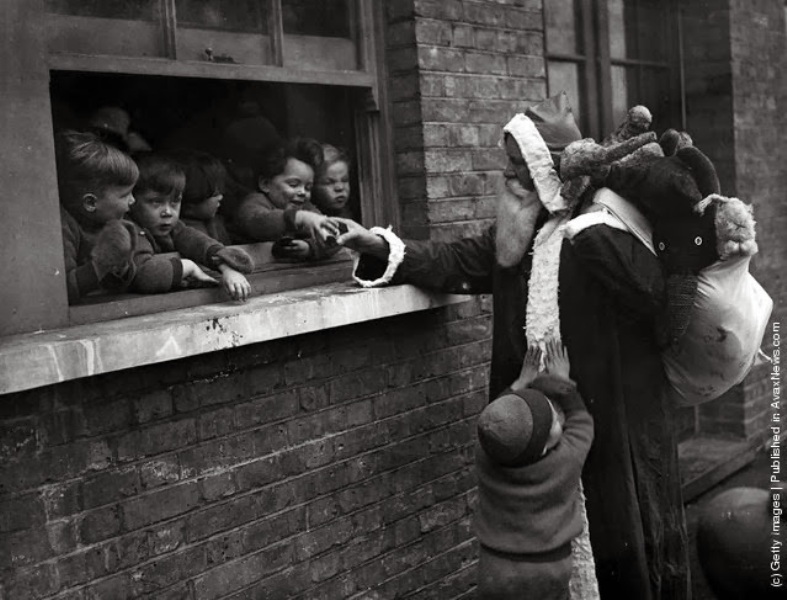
x=37, y=359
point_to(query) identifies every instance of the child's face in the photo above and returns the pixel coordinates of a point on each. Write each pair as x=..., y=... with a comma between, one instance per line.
x=291, y=187
x=332, y=189
x=205, y=210
x=111, y=203
x=556, y=431
x=157, y=212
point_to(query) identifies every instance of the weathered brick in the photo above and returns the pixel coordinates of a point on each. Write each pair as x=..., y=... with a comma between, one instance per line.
x=157, y=439
x=166, y=538
x=220, y=517
x=127, y=551
x=439, y=58
x=207, y=458
x=157, y=506
x=100, y=524
x=168, y=569
x=215, y=423
x=240, y=573
x=109, y=486
x=433, y=32
x=160, y=471
x=155, y=405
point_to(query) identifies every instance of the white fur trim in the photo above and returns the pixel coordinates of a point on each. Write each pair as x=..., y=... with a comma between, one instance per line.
x=599, y=217
x=395, y=258
x=629, y=215
x=542, y=320
x=703, y=204
x=539, y=161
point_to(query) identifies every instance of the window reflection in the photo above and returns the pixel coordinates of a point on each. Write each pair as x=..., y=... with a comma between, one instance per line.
x=562, y=23
x=228, y=15
x=324, y=18
x=564, y=76
x=138, y=10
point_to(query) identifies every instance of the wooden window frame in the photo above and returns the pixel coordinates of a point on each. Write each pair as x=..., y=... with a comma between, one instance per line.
x=42, y=274
x=596, y=62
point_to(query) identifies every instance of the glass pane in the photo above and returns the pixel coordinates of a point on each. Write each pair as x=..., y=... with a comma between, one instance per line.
x=621, y=80
x=563, y=27
x=142, y=10
x=228, y=31
x=638, y=29
x=110, y=27
x=564, y=76
x=324, y=18
x=229, y=15
x=617, y=29
x=319, y=34
x=653, y=35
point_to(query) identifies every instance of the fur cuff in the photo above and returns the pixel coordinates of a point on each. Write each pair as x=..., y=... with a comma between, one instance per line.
x=395, y=258
x=539, y=161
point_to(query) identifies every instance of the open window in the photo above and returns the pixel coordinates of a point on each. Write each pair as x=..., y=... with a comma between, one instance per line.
x=183, y=70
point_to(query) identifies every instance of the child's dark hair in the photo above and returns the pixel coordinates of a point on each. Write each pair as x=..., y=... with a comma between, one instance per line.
x=307, y=150
x=88, y=164
x=205, y=175
x=160, y=173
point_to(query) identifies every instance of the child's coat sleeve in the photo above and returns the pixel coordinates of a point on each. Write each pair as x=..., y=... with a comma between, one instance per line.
x=155, y=274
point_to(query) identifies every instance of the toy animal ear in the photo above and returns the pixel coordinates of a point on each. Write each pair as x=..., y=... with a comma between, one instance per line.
x=673, y=140
x=702, y=170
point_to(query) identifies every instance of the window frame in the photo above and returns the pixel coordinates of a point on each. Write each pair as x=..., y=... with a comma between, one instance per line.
x=597, y=62
x=33, y=284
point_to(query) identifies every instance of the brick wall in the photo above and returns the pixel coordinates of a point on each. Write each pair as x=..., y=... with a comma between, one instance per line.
x=306, y=468
x=736, y=53
x=458, y=70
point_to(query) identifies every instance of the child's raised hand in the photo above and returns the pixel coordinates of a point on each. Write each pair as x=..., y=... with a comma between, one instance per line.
x=556, y=359
x=316, y=225
x=530, y=367
x=192, y=275
x=234, y=283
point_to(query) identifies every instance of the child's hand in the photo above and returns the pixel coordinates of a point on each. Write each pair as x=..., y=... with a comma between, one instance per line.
x=299, y=249
x=316, y=225
x=234, y=283
x=556, y=359
x=530, y=366
x=357, y=237
x=194, y=276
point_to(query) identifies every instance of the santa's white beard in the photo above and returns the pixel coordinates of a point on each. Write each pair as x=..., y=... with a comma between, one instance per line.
x=517, y=211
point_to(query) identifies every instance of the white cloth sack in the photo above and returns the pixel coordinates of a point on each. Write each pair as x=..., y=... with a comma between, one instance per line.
x=728, y=321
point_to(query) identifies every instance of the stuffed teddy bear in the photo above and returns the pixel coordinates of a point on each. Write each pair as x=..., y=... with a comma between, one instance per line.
x=715, y=311
x=676, y=188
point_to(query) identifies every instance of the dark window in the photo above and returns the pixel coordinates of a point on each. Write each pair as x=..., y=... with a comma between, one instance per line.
x=609, y=55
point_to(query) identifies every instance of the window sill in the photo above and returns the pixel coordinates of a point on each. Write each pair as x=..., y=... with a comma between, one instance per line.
x=37, y=359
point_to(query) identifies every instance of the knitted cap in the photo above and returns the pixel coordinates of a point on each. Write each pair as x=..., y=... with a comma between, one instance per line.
x=513, y=429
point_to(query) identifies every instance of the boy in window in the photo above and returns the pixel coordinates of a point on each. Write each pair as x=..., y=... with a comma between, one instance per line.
x=158, y=195
x=95, y=181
